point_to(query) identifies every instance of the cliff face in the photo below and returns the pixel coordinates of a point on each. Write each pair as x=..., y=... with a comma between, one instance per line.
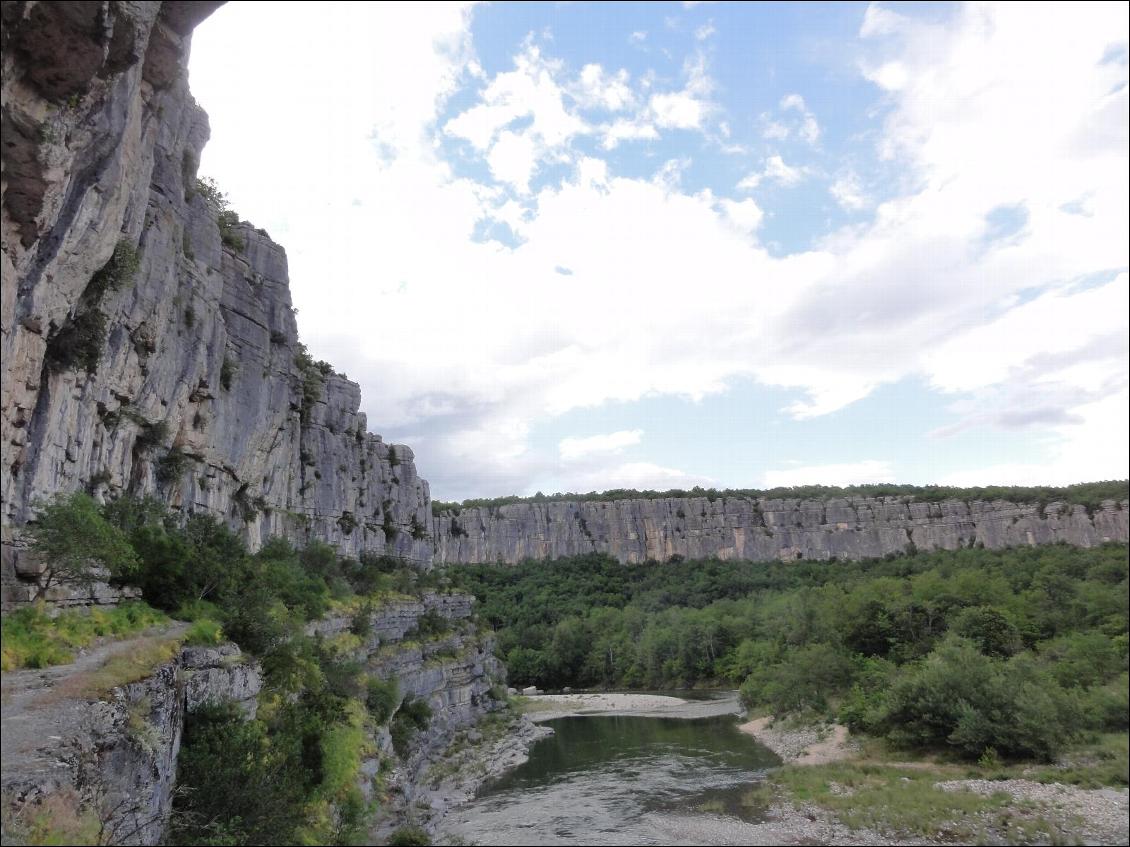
x=761, y=530
x=184, y=382
x=113, y=753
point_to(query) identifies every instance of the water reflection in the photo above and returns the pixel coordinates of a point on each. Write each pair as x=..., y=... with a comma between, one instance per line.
x=620, y=780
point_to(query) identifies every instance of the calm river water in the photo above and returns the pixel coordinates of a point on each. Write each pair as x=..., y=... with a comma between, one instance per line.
x=622, y=780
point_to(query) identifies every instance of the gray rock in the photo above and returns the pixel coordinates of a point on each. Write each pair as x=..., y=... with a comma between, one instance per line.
x=641, y=530
x=104, y=140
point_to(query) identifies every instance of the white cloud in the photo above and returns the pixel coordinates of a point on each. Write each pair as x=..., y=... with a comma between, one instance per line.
x=611, y=92
x=637, y=475
x=847, y=191
x=678, y=110
x=689, y=108
x=573, y=448
x=746, y=215
x=398, y=289
x=512, y=160
x=850, y=473
x=704, y=32
x=775, y=170
x=638, y=37
x=809, y=129
x=627, y=130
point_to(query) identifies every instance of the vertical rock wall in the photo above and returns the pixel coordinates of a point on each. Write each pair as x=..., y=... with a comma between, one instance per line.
x=761, y=529
x=195, y=392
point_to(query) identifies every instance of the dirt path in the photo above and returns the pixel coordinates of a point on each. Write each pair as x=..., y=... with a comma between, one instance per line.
x=42, y=709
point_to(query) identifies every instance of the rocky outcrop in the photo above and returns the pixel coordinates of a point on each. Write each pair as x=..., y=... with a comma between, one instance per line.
x=453, y=670
x=184, y=380
x=115, y=753
x=762, y=529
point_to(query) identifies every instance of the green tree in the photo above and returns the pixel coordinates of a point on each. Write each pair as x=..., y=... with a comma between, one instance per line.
x=73, y=541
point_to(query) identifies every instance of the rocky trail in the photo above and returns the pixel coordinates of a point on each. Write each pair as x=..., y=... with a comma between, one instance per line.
x=43, y=709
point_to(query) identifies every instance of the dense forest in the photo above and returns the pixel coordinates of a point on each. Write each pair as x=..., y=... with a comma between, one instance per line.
x=972, y=650
x=1090, y=494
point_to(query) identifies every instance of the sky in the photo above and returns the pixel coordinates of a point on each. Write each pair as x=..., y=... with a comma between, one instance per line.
x=580, y=246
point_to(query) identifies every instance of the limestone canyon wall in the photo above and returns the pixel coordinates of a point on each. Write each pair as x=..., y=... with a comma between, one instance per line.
x=188, y=383
x=761, y=529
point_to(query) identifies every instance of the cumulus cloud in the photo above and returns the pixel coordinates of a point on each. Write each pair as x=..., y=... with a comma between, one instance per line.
x=463, y=338
x=573, y=448
x=849, y=473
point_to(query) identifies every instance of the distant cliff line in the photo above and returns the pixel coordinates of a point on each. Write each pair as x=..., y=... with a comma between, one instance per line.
x=767, y=529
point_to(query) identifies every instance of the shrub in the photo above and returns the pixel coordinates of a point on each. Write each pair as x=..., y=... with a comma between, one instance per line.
x=410, y=836
x=381, y=698
x=78, y=343
x=412, y=716
x=246, y=790
x=428, y=625
x=152, y=434
x=227, y=372
x=171, y=466
x=347, y=522
x=961, y=699
x=988, y=628
x=71, y=537
x=802, y=680
x=116, y=274
x=227, y=222
x=204, y=632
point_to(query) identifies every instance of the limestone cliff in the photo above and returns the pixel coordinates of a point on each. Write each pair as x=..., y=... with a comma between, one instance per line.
x=185, y=379
x=762, y=529
x=113, y=753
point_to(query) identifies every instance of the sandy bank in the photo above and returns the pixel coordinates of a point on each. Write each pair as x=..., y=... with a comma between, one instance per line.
x=547, y=707
x=804, y=745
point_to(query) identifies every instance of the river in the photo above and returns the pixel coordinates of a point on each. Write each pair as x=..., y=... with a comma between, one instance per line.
x=623, y=780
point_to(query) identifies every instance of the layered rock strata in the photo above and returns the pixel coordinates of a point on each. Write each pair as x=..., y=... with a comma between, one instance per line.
x=762, y=529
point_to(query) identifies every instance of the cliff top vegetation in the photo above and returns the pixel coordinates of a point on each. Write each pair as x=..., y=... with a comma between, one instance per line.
x=1090, y=494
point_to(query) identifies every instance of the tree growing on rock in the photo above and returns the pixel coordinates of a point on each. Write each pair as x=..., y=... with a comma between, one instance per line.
x=76, y=545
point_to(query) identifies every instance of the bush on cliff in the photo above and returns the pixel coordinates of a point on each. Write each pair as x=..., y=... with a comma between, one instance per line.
x=72, y=540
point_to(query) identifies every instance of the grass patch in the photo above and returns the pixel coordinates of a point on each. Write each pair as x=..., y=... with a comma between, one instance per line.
x=32, y=639
x=131, y=665
x=901, y=801
x=1101, y=761
x=204, y=632
x=58, y=819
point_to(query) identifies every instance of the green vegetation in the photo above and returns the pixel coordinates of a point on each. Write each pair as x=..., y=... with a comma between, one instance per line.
x=290, y=775
x=32, y=639
x=226, y=219
x=78, y=343
x=312, y=375
x=894, y=799
x=72, y=540
x=410, y=836
x=227, y=372
x=59, y=818
x=412, y=716
x=1012, y=653
x=171, y=466
x=117, y=273
x=1089, y=494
